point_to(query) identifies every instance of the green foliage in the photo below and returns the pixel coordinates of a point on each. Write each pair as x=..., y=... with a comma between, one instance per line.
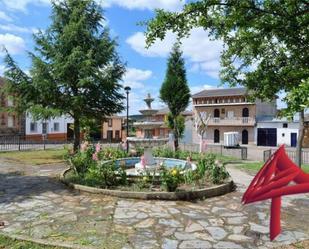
x=175, y=92
x=75, y=70
x=176, y=123
x=170, y=178
x=110, y=153
x=82, y=161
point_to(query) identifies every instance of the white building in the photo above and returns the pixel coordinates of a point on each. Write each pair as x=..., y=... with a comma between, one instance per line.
x=276, y=132
x=56, y=129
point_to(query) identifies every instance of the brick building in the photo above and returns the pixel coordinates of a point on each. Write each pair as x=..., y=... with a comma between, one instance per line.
x=10, y=123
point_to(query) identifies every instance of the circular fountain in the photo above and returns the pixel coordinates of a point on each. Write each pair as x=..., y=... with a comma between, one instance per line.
x=147, y=140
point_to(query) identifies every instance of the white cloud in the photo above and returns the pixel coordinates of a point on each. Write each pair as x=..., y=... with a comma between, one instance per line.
x=21, y=5
x=134, y=77
x=203, y=53
x=14, y=44
x=5, y=17
x=172, y=5
x=18, y=29
x=199, y=88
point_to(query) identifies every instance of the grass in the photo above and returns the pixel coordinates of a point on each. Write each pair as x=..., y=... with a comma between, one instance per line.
x=254, y=167
x=35, y=157
x=7, y=243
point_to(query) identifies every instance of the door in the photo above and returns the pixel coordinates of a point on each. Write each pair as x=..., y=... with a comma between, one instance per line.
x=293, y=139
x=267, y=137
x=216, y=136
x=216, y=113
x=109, y=136
x=117, y=135
x=244, y=137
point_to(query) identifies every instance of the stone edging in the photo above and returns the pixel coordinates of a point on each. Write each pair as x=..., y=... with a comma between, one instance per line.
x=171, y=196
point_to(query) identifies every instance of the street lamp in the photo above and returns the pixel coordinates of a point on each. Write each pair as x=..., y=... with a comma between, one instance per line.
x=127, y=89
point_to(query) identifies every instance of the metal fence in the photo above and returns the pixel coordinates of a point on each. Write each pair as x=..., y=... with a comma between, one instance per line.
x=20, y=143
x=237, y=152
x=290, y=153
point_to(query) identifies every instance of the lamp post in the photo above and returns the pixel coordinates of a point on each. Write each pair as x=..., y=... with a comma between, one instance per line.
x=127, y=89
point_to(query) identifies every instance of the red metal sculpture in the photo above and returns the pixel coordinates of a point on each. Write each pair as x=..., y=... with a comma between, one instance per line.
x=273, y=181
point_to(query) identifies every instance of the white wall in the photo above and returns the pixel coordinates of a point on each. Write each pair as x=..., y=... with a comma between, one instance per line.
x=189, y=127
x=286, y=139
x=63, y=121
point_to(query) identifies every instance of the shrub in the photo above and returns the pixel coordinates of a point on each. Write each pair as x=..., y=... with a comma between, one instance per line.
x=111, y=154
x=170, y=178
x=218, y=173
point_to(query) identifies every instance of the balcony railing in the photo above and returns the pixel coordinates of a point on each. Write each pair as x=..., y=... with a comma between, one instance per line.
x=232, y=121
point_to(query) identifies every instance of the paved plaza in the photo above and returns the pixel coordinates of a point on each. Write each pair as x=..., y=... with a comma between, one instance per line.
x=34, y=204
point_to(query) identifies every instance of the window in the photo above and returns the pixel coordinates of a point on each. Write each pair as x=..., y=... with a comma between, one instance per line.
x=110, y=122
x=10, y=101
x=223, y=111
x=216, y=113
x=56, y=127
x=285, y=125
x=44, y=128
x=33, y=127
x=216, y=101
x=10, y=121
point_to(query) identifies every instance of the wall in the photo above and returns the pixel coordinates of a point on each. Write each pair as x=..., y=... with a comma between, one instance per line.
x=51, y=134
x=116, y=126
x=286, y=139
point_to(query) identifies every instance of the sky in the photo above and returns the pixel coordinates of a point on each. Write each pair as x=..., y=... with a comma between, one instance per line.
x=145, y=67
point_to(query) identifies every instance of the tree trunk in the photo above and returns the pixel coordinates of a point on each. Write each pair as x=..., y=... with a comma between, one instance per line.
x=298, y=158
x=176, y=143
x=76, y=135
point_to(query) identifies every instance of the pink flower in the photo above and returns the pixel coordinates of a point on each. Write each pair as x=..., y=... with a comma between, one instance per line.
x=98, y=148
x=84, y=146
x=95, y=157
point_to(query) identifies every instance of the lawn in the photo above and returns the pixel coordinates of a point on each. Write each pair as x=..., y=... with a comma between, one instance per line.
x=7, y=243
x=35, y=157
x=253, y=167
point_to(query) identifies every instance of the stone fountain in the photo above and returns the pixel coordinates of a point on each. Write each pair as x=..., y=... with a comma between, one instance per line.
x=147, y=141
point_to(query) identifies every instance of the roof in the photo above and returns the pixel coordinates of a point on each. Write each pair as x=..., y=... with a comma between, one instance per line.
x=165, y=111
x=221, y=92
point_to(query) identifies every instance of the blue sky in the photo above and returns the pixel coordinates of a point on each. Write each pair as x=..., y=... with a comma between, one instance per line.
x=145, y=68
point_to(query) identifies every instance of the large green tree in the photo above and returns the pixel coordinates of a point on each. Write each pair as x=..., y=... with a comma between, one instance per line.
x=175, y=92
x=75, y=68
x=266, y=43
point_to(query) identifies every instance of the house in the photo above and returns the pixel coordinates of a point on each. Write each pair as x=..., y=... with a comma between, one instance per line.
x=53, y=129
x=10, y=123
x=230, y=110
x=112, y=129
x=276, y=132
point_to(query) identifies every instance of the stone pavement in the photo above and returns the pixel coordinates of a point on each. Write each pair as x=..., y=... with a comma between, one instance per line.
x=35, y=205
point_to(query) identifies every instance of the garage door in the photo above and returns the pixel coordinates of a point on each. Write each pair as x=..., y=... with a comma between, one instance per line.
x=267, y=137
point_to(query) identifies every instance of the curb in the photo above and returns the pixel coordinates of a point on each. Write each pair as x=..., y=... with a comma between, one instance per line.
x=170, y=196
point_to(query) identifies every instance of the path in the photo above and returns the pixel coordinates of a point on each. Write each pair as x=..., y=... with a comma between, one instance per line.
x=37, y=206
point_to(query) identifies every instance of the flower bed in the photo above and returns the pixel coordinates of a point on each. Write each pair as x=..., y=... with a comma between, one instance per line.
x=97, y=168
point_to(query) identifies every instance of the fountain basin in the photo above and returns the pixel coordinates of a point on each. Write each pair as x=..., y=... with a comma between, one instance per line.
x=130, y=163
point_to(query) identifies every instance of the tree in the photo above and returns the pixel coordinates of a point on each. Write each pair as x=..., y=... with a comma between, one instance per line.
x=75, y=70
x=175, y=92
x=266, y=42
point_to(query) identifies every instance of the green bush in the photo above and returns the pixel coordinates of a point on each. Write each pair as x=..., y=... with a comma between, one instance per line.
x=111, y=154
x=170, y=178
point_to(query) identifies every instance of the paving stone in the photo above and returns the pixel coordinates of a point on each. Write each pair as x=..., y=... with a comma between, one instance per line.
x=217, y=233
x=184, y=236
x=170, y=223
x=225, y=245
x=169, y=244
x=193, y=228
x=239, y=237
x=236, y=220
x=145, y=223
x=258, y=228
x=194, y=244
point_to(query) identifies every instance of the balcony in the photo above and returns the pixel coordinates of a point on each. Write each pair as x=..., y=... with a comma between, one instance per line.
x=241, y=121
